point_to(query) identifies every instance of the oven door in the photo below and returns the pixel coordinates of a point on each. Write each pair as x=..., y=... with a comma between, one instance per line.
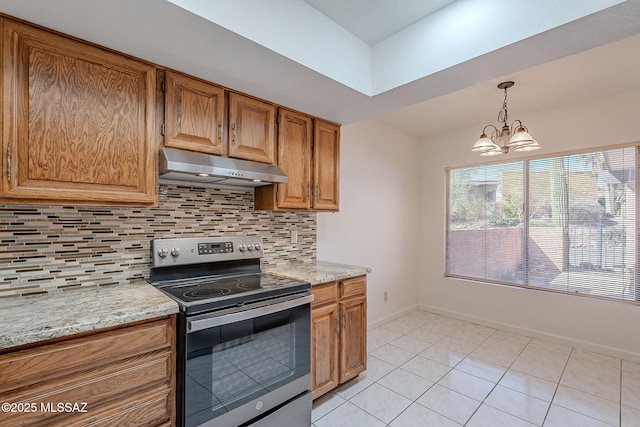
x=245, y=362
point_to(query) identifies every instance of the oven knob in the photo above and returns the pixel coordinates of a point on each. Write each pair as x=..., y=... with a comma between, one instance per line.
x=163, y=252
x=241, y=247
x=257, y=246
x=175, y=252
x=250, y=246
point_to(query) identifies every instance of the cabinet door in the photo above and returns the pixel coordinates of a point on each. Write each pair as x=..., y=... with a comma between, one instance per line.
x=193, y=115
x=324, y=349
x=353, y=338
x=326, y=165
x=294, y=157
x=78, y=122
x=251, y=129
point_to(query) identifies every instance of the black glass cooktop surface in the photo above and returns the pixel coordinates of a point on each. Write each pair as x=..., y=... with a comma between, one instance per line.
x=197, y=295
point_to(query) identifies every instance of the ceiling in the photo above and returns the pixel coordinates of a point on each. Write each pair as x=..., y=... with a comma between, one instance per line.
x=423, y=66
x=374, y=20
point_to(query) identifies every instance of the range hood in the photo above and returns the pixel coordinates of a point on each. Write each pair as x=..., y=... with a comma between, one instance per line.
x=205, y=170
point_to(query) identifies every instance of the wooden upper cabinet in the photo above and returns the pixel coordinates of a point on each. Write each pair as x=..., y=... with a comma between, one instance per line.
x=251, y=129
x=326, y=165
x=194, y=112
x=312, y=165
x=294, y=158
x=78, y=122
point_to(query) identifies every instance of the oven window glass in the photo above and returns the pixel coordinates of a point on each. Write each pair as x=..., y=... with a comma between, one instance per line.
x=230, y=365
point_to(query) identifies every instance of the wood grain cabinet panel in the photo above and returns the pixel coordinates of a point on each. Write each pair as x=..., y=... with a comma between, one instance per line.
x=77, y=122
x=251, y=129
x=294, y=157
x=124, y=376
x=194, y=112
x=353, y=345
x=324, y=348
x=338, y=333
x=326, y=165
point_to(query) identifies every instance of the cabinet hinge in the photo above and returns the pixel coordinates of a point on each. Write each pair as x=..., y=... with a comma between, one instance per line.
x=8, y=162
x=162, y=129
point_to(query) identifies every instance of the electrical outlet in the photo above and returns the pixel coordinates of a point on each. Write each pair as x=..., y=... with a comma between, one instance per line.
x=294, y=236
x=386, y=295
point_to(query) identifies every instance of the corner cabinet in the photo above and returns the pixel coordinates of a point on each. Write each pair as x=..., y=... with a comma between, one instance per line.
x=194, y=112
x=78, y=122
x=338, y=333
x=123, y=376
x=309, y=153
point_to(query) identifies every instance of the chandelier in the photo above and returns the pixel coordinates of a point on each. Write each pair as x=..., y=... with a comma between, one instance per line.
x=500, y=141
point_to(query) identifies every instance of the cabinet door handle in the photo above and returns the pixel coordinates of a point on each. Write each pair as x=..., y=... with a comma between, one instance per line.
x=317, y=192
x=344, y=320
x=233, y=139
x=308, y=191
x=220, y=131
x=9, y=163
x=337, y=325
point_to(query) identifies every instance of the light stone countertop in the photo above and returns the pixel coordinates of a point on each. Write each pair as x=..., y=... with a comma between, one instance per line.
x=57, y=314
x=318, y=272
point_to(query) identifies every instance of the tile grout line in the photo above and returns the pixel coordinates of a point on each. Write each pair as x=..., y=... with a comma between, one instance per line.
x=557, y=386
x=498, y=382
x=621, y=390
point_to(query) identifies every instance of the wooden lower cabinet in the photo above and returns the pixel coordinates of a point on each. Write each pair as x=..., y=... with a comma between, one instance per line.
x=325, y=346
x=338, y=333
x=124, y=376
x=353, y=340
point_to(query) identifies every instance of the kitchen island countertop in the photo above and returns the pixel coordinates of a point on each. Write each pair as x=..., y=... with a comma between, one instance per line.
x=318, y=272
x=34, y=318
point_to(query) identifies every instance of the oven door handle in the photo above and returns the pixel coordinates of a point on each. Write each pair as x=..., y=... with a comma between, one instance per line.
x=211, y=322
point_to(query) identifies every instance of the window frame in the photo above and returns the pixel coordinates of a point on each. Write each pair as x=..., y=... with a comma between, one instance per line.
x=526, y=211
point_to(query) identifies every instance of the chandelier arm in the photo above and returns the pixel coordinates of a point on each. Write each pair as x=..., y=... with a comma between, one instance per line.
x=495, y=130
x=513, y=126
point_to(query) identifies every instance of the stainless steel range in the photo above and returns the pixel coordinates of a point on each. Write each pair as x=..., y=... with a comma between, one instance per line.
x=243, y=335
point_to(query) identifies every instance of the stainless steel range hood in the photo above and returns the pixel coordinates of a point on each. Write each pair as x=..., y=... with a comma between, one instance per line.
x=204, y=170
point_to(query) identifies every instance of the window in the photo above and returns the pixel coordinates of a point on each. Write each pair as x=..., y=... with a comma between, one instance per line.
x=565, y=223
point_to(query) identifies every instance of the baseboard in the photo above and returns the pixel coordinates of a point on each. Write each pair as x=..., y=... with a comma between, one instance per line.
x=586, y=345
x=393, y=316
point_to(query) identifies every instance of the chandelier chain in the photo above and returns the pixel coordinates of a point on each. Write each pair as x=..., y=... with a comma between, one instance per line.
x=503, y=114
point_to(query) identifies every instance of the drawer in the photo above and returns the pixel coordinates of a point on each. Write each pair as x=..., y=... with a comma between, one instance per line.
x=26, y=367
x=93, y=388
x=356, y=286
x=150, y=408
x=324, y=293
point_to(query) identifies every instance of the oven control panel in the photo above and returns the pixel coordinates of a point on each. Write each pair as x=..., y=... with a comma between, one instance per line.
x=196, y=250
x=215, y=248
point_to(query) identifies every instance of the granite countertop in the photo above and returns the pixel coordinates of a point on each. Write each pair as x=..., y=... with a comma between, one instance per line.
x=318, y=272
x=57, y=314
x=61, y=313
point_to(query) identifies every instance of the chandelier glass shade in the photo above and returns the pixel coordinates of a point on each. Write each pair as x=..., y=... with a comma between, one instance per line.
x=493, y=142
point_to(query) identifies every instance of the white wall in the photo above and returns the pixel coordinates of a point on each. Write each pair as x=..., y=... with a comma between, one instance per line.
x=379, y=216
x=603, y=326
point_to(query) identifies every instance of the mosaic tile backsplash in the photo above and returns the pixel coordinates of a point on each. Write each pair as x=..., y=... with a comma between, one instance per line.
x=43, y=248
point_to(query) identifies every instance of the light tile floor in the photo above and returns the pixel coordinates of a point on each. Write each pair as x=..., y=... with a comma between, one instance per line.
x=429, y=370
